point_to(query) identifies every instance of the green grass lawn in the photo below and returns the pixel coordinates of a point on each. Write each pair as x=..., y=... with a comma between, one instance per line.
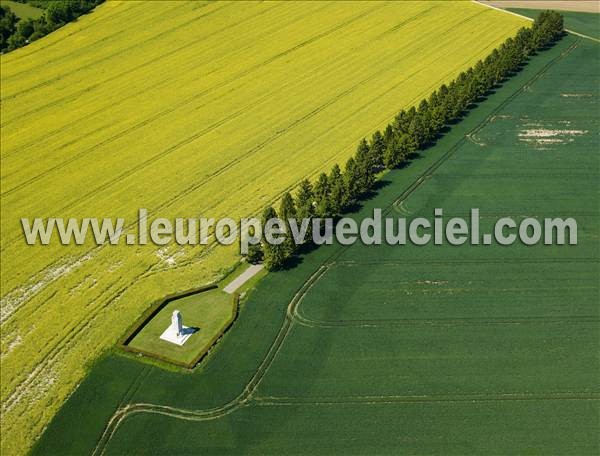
x=209, y=311
x=586, y=23
x=23, y=10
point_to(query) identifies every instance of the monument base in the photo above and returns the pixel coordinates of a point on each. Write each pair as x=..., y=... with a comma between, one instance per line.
x=170, y=335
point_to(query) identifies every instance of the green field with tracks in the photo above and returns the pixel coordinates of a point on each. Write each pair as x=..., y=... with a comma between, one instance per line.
x=427, y=350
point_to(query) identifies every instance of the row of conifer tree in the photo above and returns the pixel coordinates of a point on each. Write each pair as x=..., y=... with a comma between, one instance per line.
x=412, y=130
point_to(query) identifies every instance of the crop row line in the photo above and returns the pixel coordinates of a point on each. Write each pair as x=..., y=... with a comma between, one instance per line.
x=244, y=157
x=465, y=261
x=192, y=137
x=55, y=348
x=400, y=399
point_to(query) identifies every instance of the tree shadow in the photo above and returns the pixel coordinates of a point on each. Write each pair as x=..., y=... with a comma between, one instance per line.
x=378, y=185
x=293, y=261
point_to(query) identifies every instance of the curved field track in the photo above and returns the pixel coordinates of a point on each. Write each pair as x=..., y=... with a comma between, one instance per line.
x=186, y=109
x=404, y=349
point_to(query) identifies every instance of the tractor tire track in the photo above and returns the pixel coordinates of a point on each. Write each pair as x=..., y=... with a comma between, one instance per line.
x=64, y=342
x=480, y=126
x=329, y=102
x=211, y=413
x=249, y=153
x=405, y=399
x=303, y=320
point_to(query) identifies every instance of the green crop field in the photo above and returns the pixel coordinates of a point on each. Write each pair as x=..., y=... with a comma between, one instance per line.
x=185, y=109
x=586, y=23
x=210, y=312
x=406, y=349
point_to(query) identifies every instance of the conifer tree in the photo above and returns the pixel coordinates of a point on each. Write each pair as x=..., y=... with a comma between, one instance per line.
x=397, y=152
x=255, y=254
x=376, y=150
x=390, y=156
x=411, y=129
x=274, y=254
x=287, y=211
x=388, y=134
x=336, y=191
x=321, y=195
x=416, y=131
x=351, y=182
x=305, y=208
x=364, y=168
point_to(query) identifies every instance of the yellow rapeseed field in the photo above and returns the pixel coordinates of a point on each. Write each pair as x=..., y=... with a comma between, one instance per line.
x=186, y=109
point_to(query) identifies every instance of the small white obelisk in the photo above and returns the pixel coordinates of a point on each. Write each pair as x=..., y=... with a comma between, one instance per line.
x=176, y=333
x=177, y=323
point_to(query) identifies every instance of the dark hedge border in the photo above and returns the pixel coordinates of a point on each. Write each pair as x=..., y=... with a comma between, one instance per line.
x=155, y=308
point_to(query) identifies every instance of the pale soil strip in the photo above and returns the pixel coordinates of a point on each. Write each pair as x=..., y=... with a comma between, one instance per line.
x=11, y=302
x=505, y=4
x=243, y=278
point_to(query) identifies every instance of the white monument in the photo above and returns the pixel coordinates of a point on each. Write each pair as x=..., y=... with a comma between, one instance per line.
x=176, y=333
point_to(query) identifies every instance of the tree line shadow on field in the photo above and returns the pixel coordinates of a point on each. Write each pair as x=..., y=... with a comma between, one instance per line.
x=353, y=209
x=380, y=184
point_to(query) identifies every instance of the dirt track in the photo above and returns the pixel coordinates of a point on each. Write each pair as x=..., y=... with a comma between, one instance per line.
x=586, y=6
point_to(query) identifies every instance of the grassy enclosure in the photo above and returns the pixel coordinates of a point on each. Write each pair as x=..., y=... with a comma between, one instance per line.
x=406, y=349
x=267, y=94
x=209, y=312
